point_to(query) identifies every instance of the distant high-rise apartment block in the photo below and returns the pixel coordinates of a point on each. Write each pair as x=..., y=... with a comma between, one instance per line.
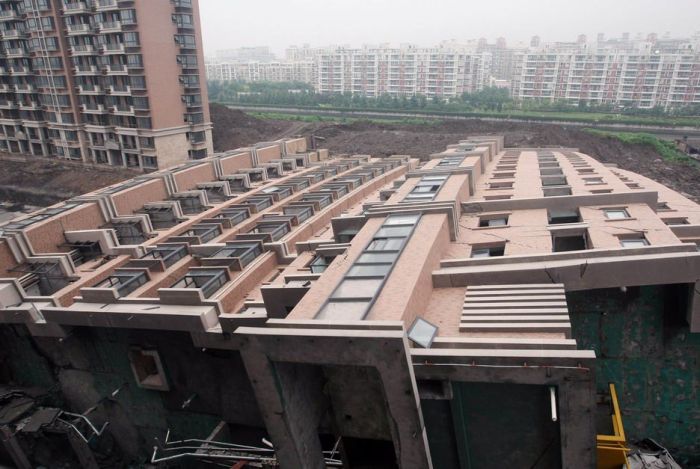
x=301, y=70
x=111, y=82
x=244, y=54
x=641, y=73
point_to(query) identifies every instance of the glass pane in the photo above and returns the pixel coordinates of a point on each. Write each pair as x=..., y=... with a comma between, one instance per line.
x=616, y=214
x=377, y=257
x=498, y=222
x=401, y=220
x=422, y=333
x=344, y=310
x=481, y=253
x=634, y=243
x=385, y=244
x=355, y=288
x=377, y=270
x=394, y=231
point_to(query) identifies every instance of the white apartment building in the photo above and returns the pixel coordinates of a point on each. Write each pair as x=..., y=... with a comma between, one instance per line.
x=642, y=74
x=405, y=71
x=303, y=71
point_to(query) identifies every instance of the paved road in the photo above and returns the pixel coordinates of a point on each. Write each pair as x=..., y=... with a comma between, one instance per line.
x=693, y=133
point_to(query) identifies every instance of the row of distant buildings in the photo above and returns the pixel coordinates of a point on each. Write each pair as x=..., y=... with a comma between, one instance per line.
x=640, y=72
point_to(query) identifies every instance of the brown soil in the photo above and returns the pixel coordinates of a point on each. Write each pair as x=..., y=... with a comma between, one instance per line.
x=236, y=129
x=421, y=140
x=43, y=181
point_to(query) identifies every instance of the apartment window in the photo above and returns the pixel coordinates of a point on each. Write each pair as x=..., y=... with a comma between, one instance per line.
x=244, y=252
x=493, y=220
x=168, y=254
x=592, y=181
x=127, y=16
x=569, y=242
x=352, y=298
x=320, y=263
x=662, y=207
x=491, y=251
x=556, y=191
x=616, y=213
x=148, y=369
x=675, y=221
x=554, y=181
x=207, y=280
x=558, y=217
x=634, y=242
x=150, y=162
x=124, y=282
x=500, y=185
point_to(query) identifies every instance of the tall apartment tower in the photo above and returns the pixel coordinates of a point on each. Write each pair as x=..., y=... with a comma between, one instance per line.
x=115, y=82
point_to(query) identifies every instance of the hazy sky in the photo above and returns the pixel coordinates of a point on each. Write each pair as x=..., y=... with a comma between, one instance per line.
x=278, y=23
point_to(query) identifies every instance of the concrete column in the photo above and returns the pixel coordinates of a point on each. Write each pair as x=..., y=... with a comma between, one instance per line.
x=291, y=401
x=694, y=308
x=406, y=421
x=577, y=403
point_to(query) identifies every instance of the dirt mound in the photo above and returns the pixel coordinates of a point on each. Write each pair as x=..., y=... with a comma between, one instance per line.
x=234, y=128
x=369, y=137
x=43, y=182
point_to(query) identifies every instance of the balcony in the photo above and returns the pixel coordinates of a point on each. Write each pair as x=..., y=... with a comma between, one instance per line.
x=25, y=88
x=89, y=89
x=29, y=106
x=123, y=110
x=109, y=49
x=83, y=49
x=9, y=15
x=13, y=34
x=5, y=88
x=18, y=70
x=93, y=109
x=16, y=52
x=7, y=104
x=120, y=91
x=116, y=69
x=83, y=70
x=79, y=29
x=106, y=5
x=109, y=27
x=76, y=8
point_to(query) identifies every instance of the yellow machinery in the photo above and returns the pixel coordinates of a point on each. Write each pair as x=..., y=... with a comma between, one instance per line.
x=612, y=449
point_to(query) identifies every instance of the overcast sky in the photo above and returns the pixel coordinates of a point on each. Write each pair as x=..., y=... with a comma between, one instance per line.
x=228, y=24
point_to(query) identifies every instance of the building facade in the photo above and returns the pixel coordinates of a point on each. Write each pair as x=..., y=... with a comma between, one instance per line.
x=275, y=71
x=110, y=82
x=275, y=304
x=643, y=74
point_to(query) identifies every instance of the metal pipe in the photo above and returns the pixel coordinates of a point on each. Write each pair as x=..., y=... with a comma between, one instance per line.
x=553, y=402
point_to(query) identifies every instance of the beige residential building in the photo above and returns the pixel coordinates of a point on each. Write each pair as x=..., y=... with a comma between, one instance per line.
x=112, y=82
x=276, y=305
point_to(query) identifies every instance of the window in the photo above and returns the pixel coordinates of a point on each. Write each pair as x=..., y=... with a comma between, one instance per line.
x=493, y=251
x=353, y=296
x=616, y=214
x=662, y=207
x=168, y=254
x=244, y=252
x=148, y=369
x=422, y=332
x=500, y=185
x=320, y=263
x=675, y=221
x=124, y=282
x=636, y=242
x=556, y=191
x=554, y=181
x=592, y=181
x=569, y=242
x=557, y=217
x=493, y=220
x=208, y=280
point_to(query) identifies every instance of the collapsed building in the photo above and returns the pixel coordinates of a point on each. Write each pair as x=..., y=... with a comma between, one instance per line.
x=276, y=305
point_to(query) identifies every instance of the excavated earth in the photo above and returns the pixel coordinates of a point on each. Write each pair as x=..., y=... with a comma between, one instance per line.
x=40, y=181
